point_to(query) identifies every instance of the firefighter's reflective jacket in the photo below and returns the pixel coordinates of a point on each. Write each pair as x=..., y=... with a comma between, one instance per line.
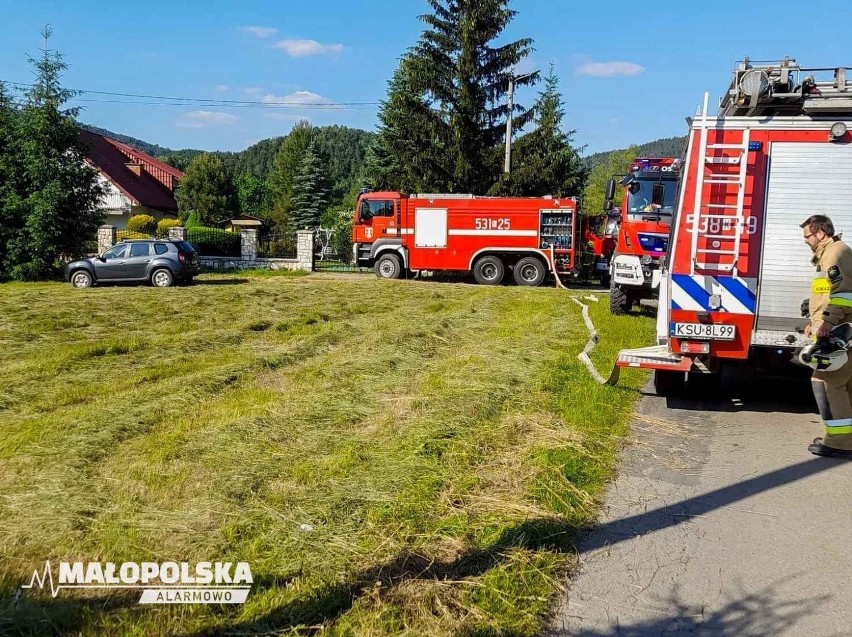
x=831, y=291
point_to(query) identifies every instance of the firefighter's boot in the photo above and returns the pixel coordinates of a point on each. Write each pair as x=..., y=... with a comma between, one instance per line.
x=833, y=393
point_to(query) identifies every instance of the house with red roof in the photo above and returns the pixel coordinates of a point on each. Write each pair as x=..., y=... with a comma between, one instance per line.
x=135, y=182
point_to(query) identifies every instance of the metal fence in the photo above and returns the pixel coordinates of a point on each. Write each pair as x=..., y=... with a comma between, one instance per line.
x=276, y=245
x=333, y=251
x=213, y=242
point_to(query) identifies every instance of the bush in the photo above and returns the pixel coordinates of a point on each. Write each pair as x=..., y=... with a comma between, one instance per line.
x=121, y=235
x=164, y=225
x=142, y=223
x=213, y=242
x=193, y=220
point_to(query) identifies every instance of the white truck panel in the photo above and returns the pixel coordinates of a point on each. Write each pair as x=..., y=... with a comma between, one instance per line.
x=804, y=179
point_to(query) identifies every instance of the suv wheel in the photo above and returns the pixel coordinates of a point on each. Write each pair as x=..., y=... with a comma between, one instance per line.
x=162, y=278
x=81, y=279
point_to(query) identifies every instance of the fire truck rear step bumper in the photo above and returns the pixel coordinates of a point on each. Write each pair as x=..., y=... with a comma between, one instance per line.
x=657, y=357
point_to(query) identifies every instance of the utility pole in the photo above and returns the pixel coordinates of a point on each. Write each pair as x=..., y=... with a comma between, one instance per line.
x=510, y=99
x=507, y=166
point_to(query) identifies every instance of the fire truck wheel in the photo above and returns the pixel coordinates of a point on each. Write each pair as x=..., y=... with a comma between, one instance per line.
x=389, y=266
x=620, y=301
x=489, y=271
x=530, y=271
x=668, y=383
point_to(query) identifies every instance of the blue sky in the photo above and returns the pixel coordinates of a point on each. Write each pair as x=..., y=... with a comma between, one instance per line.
x=630, y=72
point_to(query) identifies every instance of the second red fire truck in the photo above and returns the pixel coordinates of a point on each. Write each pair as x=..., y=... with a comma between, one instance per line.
x=645, y=218
x=488, y=236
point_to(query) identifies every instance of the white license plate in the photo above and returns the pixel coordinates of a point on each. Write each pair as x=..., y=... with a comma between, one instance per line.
x=703, y=331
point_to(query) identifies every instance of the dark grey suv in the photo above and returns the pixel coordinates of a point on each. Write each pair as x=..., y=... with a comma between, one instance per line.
x=160, y=261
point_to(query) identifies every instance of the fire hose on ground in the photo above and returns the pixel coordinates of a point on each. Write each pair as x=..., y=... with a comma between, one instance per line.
x=593, y=335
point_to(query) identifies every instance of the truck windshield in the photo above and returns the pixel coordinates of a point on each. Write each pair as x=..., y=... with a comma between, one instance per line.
x=652, y=196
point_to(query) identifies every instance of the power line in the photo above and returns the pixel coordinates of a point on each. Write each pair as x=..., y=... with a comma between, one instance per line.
x=165, y=100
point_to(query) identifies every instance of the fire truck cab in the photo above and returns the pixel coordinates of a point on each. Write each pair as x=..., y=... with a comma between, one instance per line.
x=737, y=270
x=488, y=236
x=645, y=218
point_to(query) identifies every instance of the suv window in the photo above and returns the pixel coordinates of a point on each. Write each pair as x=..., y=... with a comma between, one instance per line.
x=140, y=249
x=161, y=248
x=183, y=245
x=116, y=252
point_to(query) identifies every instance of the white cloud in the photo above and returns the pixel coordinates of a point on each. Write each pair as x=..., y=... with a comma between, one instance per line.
x=200, y=119
x=615, y=120
x=223, y=88
x=299, y=98
x=260, y=32
x=609, y=69
x=253, y=90
x=304, y=48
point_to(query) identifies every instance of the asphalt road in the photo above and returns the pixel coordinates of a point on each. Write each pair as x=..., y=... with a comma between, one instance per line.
x=720, y=523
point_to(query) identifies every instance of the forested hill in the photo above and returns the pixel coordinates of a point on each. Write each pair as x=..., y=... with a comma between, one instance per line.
x=344, y=149
x=666, y=147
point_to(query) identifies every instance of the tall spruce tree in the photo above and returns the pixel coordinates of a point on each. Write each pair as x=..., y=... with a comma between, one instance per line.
x=464, y=75
x=408, y=154
x=544, y=160
x=55, y=209
x=310, y=192
x=11, y=209
x=286, y=167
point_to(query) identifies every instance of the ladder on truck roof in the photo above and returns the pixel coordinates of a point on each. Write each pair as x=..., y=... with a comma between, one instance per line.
x=718, y=225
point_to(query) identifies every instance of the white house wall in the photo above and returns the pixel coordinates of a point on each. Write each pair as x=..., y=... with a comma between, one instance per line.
x=114, y=202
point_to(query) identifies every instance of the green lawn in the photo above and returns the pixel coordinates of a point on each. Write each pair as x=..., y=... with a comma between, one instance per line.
x=390, y=457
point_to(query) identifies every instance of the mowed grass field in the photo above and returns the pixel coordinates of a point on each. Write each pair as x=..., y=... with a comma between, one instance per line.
x=391, y=457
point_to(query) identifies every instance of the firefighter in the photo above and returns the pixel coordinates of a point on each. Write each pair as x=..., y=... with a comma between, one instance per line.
x=830, y=306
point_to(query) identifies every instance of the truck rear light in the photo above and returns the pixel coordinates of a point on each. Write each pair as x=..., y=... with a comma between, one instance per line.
x=693, y=347
x=182, y=257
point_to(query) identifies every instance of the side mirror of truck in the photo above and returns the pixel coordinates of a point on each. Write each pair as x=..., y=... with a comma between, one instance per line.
x=609, y=193
x=608, y=205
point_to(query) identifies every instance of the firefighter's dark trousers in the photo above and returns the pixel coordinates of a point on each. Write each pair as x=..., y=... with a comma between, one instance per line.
x=833, y=393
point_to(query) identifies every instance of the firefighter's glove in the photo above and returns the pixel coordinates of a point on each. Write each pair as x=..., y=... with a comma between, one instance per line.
x=806, y=308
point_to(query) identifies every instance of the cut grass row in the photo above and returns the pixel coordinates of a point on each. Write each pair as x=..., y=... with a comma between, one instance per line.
x=390, y=457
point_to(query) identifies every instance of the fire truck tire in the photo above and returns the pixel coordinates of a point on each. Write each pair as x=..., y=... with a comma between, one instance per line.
x=489, y=271
x=530, y=271
x=668, y=383
x=389, y=266
x=620, y=300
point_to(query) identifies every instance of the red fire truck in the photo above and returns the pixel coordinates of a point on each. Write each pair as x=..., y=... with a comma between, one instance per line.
x=737, y=270
x=396, y=233
x=645, y=217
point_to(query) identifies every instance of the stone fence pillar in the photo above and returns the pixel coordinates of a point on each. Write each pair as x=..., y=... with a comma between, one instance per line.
x=305, y=249
x=106, y=238
x=177, y=233
x=248, y=244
